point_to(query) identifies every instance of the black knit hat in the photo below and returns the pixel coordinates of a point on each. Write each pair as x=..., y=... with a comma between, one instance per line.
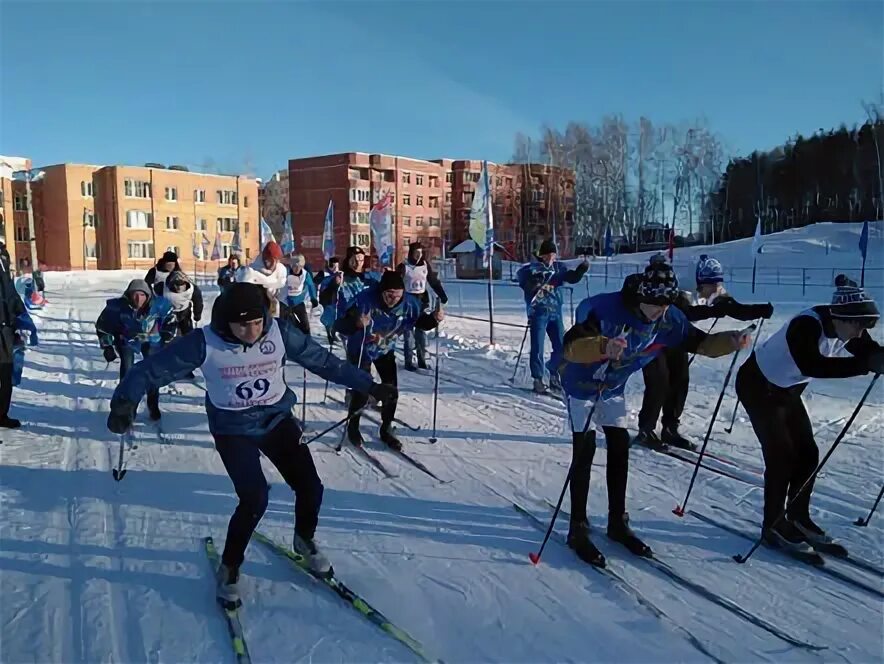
x=547, y=247
x=850, y=302
x=391, y=280
x=243, y=302
x=169, y=257
x=658, y=285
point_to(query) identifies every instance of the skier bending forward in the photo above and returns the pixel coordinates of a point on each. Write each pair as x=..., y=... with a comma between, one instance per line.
x=249, y=406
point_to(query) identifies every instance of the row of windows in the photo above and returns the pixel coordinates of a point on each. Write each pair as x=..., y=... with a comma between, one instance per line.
x=142, y=219
x=145, y=249
x=419, y=221
x=141, y=189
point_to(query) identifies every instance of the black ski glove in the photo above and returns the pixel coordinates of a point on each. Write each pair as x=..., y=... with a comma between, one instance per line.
x=314, y=303
x=109, y=354
x=767, y=310
x=121, y=418
x=383, y=392
x=875, y=361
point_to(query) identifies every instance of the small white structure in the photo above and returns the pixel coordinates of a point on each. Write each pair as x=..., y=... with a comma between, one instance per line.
x=468, y=261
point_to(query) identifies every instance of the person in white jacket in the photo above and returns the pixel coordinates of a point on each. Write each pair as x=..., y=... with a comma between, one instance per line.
x=270, y=272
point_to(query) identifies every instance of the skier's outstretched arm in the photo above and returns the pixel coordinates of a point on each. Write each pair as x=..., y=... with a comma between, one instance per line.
x=802, y=337
x=301, y=348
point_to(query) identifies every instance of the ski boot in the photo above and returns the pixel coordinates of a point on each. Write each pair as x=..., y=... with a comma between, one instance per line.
x=227, y=588
x=539, y=387
x=353, y=433
x=10, y=423
x=620, y=532
x=579, y=542
x=155, y=413
x=650, y=440
x=387, y=436
x=784, y=535
x=555, y=383
x=422, y=363
x=673, y=438
x=817, y=538
x=313, y=557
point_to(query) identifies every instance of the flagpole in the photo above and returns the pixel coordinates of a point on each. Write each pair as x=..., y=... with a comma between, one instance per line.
x=862, y=275
x=489, y=239
x=754, y=264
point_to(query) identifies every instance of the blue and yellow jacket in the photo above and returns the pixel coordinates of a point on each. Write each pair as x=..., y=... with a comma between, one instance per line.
x=535, y=276
x=387, y=324
x=187, y=353
x=121, y=325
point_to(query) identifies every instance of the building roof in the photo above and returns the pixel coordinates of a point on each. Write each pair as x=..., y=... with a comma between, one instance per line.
x=469, y=247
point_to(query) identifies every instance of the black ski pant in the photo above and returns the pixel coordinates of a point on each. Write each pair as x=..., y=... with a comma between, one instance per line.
x=386, y=368
x=241, y=456
x=127, y=359
x=783, y=428
x=667, y=381
x=297, y=314
x=185, y=321
x=617, y=471
x=5, y=389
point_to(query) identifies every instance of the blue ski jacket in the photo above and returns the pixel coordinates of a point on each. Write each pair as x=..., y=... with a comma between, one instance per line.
x=187, y=353
x=387, y=324
x=121, y=325
x=542, y=286
x=309, y=289
x=335, y=300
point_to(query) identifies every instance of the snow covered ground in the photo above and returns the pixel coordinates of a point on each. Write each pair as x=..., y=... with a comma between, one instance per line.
x=94, y=570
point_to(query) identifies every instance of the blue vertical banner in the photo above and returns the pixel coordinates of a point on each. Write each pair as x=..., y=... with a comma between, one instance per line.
x=381, y=221
x=482, y=218
x=236, y=245
x=328, y=234
x=288, y=237
x=216, y=249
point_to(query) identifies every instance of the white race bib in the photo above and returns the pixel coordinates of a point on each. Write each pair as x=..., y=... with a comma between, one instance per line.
x=295, y=283
x=416, y=278
x=238, y=378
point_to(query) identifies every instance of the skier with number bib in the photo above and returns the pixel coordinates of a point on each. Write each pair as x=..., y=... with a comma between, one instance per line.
x=416, y=274
x=298, y=287
x=542, y=281
x=373, y=321
x=339, y=289
x=269, y=271
x=668, y=378
x=138, y=322
x=615, y=334
x=825, y=341
x=249, y=407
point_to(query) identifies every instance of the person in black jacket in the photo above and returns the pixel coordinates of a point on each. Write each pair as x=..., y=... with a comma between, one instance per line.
x=770, y=384
x=11, y=307
x=164, y=267
x=667, y=378
x=416, y=273
x=227, y=273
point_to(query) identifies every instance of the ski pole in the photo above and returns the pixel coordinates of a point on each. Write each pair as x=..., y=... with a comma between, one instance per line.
x=679, y=509
x=335, y=425
x=331, y=347
x=865, y=522
x=519, y=358
x=711, y=327
x=433, y=438
x=742, y=559
x=304, y=398
x=120, y=471
x=737, y=404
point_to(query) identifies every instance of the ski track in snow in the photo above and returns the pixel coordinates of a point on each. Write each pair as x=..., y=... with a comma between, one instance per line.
x=95, y=570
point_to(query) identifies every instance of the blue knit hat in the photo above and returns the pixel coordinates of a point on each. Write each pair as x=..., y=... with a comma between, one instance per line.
x=709, y=271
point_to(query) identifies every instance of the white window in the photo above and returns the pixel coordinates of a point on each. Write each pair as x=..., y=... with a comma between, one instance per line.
x=21, y=234
x=418, y=221
x=140, y=249
x=420, y=201
x=362, y=218
x=202, y=225
x=136, y=188
x=406, y=199
x=245, y=201
x=227, y=224
x=449, y=177
x=362, y=195
x=199, y=195
x=360, y=239
x=434, y=202
x=419, y=178
x=406, y=241
x=171, y=193
x=138, y=219
x=447, y=196
x=89, y=219
x=20, y=203
x=406, y=221
x=353, y=216
x=474, y=177
x=226, y=197
x=86, y=188
x=172, y=224
x=434, y=221
x=226, y=250
x=434, y=181
x=353, y=195
x=91, y=250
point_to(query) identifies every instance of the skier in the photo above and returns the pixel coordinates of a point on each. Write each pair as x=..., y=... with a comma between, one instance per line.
x=332, y=267
x=417, y=273
x=541, y=280
x=249, y=408
x=164, y=267
x=372, y=322
x=269, y=271
x=12, y=310
x=185, y=297
x=667, y=378
x=614, y=336
x=338, y=289
x=227, y=273
x=770, y=384
x=298, y=286
x=375, y=270
x=137, y=322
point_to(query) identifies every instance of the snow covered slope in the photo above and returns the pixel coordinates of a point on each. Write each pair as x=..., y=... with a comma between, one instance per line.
x=94, y=570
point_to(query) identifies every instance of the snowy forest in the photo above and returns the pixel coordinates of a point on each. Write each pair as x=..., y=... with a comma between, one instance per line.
x=641, y=177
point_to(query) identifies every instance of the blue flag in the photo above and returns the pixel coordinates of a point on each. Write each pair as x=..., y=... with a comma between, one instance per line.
x=609, y=248
x=328, y=235
x=288, y=237
x=864, y=240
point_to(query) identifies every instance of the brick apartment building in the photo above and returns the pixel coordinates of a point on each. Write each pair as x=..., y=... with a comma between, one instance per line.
x=431, y=201
x=13, y=212
x=113, y=217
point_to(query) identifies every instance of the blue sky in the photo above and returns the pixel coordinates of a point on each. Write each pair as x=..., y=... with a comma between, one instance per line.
x=239, y=83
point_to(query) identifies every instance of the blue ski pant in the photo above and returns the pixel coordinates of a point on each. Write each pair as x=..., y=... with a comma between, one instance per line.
x=543, y=325
x=127, y=359
x=241, y=456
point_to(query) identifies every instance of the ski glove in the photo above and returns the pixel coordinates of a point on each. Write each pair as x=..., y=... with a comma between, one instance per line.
x=383, y=392
x=121, y=418
x=766, y=310
x=875, y=361
x=314, y=303
x=109, y=354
